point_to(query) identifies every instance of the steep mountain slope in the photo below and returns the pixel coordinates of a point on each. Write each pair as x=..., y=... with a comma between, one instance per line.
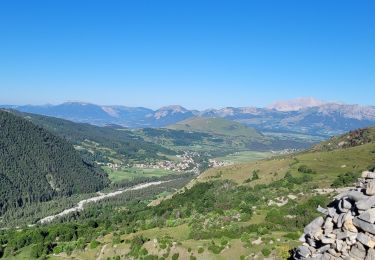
x=36, y=165
x=351, y=139
x=117, y=139
x=169, y=115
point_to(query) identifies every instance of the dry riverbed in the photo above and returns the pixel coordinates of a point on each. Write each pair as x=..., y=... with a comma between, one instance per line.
x=101, y=196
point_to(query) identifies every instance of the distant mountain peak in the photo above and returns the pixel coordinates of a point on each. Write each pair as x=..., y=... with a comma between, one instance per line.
x=170, y=110
x=296, y=104
x=174, y=108
x=77, y=103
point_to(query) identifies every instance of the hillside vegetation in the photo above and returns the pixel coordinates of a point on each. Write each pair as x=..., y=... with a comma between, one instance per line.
x=218, y=126
x=351, y=139
x=246, y=211
x=36, y=165
x=101, y=143
x=231, y=136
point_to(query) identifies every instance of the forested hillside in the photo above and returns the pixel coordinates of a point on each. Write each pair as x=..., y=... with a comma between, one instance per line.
x=122, y=142
x=36, y=165
x=244, y=211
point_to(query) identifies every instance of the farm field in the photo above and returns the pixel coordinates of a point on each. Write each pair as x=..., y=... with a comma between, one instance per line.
x=245, y=156
x=131, y=173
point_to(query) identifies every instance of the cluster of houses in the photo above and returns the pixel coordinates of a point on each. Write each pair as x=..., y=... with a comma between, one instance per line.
x=185, y=162
x=215, y=163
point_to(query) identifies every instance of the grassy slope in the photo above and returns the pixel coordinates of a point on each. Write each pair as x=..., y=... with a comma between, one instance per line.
x=131, y=173
x=217, y=126
x=351, y=139
x=245, y=157
x=327, y=165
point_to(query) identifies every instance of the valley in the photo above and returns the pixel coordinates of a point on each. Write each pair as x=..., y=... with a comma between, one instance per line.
x=101, y=196
x=187, y=130
x=190, y=191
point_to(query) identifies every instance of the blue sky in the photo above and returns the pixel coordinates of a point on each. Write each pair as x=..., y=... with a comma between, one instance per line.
x=198, y=54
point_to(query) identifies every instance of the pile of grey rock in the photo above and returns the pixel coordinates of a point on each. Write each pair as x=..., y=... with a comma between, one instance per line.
x=347, y=230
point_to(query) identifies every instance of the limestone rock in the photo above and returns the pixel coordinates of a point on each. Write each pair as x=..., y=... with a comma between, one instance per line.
x=365, y=240
x=370, y=254
x=365, y=204
x=357, y=252
x=370, y=188
x=347, y=230
x=365, y=226
x=314, y=226
x=368, y=175
x=368, y=215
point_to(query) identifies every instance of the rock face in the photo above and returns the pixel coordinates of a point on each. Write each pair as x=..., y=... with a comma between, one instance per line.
x=347, y=230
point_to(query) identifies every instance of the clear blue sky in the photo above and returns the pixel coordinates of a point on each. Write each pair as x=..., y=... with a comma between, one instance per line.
x=195, y=53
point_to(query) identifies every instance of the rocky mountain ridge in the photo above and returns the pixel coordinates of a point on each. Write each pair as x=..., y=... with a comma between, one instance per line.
x=314, y=118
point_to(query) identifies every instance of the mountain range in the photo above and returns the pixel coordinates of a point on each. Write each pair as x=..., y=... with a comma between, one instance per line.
x=304, y=115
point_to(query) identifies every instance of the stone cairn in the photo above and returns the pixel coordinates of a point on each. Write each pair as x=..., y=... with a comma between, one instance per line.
x=347, y=230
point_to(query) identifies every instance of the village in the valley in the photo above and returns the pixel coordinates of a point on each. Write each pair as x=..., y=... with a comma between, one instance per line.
x=187, y=162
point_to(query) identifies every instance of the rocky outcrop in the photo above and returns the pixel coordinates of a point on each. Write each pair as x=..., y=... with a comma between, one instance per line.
x=347, y=229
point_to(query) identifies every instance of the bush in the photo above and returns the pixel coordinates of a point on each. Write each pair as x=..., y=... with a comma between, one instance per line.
x=38, y=250
x=345, y=179
x=255, y=175
x=94, y=244
x=200, y=250
x=305, y=169
x=293, y=236
x=266, y=251
x=216, y=249
x=224, y=242
x=175, y=256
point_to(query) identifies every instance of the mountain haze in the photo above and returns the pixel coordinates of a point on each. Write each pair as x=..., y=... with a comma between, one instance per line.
x=304, y=115
x=296, y=104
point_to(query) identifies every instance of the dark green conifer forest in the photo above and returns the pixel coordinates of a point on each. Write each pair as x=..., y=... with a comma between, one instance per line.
x=37, y=166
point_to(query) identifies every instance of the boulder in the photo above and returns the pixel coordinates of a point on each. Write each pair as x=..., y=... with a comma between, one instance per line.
x=314, y=227
x=357, y=252
x=363, y=225
x=365, y=240
x=370, y=188
x=366, y=204
x=302, y=251
x=353, y=195
x=328, y=226
x=368, y=175
x=370, y=254
x=368, y=215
